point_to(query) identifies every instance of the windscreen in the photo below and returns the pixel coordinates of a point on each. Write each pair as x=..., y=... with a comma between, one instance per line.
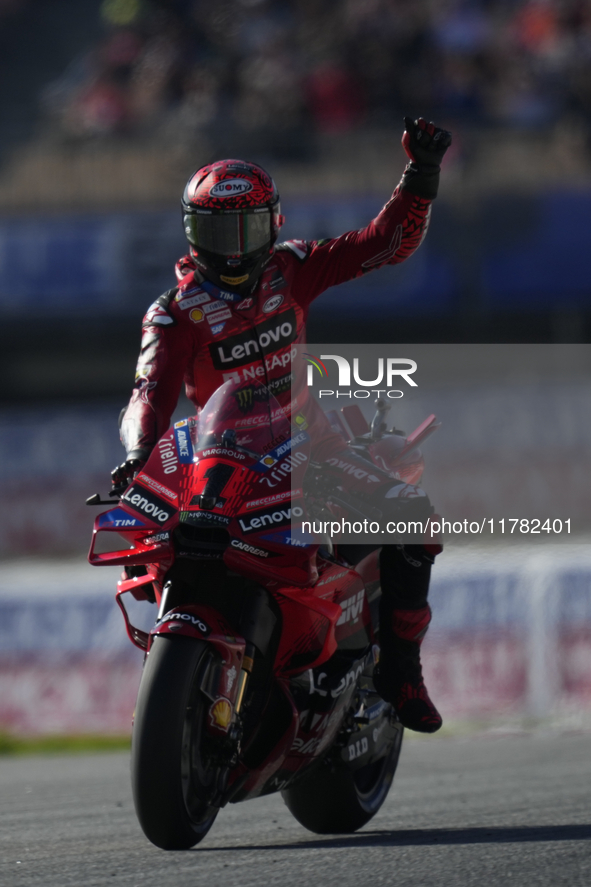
x=248, y=415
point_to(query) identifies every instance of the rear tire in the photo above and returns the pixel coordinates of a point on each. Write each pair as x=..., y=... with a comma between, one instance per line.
x=338, y=800
x=171, y=776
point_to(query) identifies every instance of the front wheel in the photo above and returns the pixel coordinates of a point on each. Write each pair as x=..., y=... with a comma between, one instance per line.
x=337, y=800
x=172, y=776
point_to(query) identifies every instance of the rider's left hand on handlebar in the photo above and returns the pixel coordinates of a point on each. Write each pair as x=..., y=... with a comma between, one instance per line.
x=122, y=476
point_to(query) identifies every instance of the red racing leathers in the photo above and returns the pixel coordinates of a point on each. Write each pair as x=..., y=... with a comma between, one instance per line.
x=201, y=335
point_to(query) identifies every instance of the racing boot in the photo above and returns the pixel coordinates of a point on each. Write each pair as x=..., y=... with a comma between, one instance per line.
x=398, y=677
x=405, y=572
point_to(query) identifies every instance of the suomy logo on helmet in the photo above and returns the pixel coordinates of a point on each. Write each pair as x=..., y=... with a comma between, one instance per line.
x=230, y=188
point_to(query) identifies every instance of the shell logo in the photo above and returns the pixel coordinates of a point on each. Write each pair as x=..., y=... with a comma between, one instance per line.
x=220, y=714
x=196, y=315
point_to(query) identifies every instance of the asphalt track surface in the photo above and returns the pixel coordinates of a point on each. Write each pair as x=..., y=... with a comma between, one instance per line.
x=478, y=811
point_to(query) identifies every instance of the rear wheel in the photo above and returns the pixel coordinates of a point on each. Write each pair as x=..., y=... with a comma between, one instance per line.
x=338, y=800
x=173, y=771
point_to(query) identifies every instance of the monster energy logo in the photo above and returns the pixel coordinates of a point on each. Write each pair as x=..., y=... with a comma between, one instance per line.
x=247, y=397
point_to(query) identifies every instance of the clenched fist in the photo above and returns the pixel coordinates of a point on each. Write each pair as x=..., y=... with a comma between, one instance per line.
x=425, y=145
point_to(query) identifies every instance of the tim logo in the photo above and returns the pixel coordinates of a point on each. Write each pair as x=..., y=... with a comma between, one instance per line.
x=351, y=608
x=230, y=188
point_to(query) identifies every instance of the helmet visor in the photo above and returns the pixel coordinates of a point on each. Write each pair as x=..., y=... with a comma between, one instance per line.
x=229, y=234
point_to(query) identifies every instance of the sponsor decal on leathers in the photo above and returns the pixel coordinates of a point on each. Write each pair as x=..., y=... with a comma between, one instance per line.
x=199, y=299
x=224, y=314
x=212, y=307
x=270, y=517
x=143, y=500
x=266, y=337
x=229, y=297
x=258, y=371
x=272, y=304
x=158, y=315
x=298, y=247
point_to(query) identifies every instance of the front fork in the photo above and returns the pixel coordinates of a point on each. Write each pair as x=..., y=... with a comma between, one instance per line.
x=245, y=672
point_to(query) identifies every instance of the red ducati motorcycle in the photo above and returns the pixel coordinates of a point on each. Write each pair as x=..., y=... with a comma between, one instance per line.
x=258, y=672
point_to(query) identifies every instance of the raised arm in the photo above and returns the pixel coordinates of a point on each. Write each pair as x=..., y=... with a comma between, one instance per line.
x=393, y=235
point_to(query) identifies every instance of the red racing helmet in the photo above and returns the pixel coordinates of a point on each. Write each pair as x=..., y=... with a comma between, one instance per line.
x=231, y=217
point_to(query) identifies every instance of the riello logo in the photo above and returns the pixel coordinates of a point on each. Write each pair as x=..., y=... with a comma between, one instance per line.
x=389, y=370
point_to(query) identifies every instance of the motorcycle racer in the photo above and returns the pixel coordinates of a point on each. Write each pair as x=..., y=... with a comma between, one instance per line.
x=240, y=304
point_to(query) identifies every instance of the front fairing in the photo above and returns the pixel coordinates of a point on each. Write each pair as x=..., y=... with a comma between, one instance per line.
x=246, y=481
x=224, y=484
x=235, y=467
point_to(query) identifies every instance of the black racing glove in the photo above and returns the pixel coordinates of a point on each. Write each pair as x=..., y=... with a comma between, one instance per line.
x=122, y=476
x=425, y=145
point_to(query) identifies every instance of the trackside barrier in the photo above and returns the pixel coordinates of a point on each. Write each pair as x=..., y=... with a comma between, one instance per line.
x=511, y=637
x=511, y=633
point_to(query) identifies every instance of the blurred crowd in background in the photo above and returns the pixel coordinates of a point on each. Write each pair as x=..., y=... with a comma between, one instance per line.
x=171, y=68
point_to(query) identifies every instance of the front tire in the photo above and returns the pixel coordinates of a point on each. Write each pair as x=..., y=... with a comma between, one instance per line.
x=337, y=800
x=171, y=776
